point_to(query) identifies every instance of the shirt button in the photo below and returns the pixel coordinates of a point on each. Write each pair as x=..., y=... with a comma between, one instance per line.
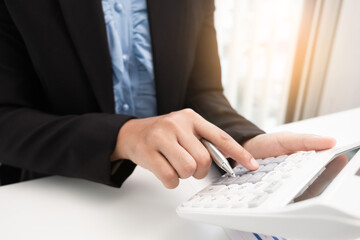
x=125, y=57
x=125, y=107
x=118, y=7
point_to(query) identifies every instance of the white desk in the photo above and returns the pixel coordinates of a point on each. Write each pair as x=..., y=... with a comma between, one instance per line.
x=64, y=208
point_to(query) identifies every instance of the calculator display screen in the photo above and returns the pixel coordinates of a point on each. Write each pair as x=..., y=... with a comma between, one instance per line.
x=332, y=169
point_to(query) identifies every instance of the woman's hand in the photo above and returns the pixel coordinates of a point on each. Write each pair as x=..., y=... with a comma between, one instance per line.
x=169, y=146
x=276, y=144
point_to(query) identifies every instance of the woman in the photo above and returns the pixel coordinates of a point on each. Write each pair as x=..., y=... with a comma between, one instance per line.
x=87, y=84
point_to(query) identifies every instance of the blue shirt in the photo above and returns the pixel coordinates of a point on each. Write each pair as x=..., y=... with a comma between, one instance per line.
x=129, y=41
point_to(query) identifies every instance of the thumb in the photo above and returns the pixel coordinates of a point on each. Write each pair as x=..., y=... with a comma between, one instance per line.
x=306, y=142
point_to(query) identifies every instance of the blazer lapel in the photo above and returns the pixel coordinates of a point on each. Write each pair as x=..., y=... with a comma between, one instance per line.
x=85, y=22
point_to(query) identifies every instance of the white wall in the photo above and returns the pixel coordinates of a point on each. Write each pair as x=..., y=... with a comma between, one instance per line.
x=342, y=84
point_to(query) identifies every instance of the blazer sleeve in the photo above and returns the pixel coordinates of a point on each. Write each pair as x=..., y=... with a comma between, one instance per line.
x=33, y=139
x=205, y=92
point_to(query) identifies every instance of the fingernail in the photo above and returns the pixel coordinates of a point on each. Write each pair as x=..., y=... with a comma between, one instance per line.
x=254, y=163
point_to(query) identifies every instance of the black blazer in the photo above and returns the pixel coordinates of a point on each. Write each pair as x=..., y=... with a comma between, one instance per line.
x=56, y=97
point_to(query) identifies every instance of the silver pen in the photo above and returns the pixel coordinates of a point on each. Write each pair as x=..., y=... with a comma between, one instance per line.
x=218, y=158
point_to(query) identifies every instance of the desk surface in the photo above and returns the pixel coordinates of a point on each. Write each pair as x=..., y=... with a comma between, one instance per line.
x=65, y=208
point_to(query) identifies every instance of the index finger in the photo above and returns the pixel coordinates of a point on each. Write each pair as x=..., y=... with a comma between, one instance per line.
x=225, y=143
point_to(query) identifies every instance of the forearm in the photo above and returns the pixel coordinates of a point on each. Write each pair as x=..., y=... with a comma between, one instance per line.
x=73, y=145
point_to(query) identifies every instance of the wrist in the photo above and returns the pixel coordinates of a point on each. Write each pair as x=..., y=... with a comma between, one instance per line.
x=119, y=151
x=248, y=143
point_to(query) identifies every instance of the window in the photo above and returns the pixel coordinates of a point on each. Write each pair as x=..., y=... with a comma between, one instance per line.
x=257, y=40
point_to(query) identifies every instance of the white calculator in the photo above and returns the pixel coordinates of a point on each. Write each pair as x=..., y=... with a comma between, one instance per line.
x=306, y=195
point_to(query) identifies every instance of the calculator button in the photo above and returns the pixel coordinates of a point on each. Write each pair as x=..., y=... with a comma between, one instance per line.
x=244, y=189
x=198, y=202
x=299, y=164
x=224, y=201
x=284, y=166
x=220, y=181
x=245, y=186
x=273, y=186
x=241, y=179
x=257, y=200
x=272, y=176
x=205, y=201
x=236, y=190
x=240, y=170
x=224, y=180
x=306, y=154
x=232, y=197
x=239, y=166
x=296, y=157
x=268, y=160
x=212, y=189
x=232, y=186
x=310, y=154
x=230, y=189
x=269, y=167
x=280, y=159
x=260, y=161
x=209, y=202
x=260, y=186
x=239, y=202
x=297, y=160
x=256, y=177
x=259, y=169
x=286, y=173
